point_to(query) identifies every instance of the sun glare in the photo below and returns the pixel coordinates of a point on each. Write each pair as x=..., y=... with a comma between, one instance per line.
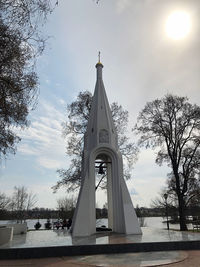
x=178, y=25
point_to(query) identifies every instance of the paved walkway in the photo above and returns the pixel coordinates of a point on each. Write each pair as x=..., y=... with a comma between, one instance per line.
x=64, y=238
x=187, y=259
x=159, y=258
x=193, y=260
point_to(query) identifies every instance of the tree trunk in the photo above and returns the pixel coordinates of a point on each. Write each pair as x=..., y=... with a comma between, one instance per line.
x=182, y=217
x=181, y=202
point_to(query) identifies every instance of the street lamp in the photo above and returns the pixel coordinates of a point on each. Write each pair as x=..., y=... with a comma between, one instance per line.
x=165, y=197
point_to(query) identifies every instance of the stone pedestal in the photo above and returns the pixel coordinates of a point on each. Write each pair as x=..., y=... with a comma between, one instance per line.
x=6, y=234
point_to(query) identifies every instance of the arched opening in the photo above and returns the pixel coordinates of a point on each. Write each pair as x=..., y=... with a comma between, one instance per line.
x=103, y=168
x=121, y=215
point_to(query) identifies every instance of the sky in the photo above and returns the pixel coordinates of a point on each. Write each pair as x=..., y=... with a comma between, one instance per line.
x=141, y=61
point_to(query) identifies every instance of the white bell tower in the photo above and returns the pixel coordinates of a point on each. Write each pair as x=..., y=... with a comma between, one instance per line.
x=100, y=144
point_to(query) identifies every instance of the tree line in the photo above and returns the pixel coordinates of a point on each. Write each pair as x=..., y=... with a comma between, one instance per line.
x=20, y=206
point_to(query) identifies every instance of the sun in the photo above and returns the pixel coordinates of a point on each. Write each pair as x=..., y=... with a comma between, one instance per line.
x=178, y=25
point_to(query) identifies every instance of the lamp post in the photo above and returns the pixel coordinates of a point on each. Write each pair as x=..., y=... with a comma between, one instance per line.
x=165, y=197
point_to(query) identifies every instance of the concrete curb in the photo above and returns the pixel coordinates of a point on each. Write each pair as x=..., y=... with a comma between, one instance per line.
x=59, y=251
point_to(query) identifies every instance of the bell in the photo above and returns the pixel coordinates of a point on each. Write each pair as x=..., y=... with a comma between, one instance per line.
x=101, y=170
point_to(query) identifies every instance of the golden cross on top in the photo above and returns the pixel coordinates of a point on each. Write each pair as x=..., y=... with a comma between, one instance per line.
x=99, y=56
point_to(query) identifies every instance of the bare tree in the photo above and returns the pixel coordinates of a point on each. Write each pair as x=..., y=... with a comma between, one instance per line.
x=4, y=201
x=21, y=42
x=66, y=206
x=173, y=125
x=73, y=131
x=27, y=17
x=22, y=201
x=31, y=201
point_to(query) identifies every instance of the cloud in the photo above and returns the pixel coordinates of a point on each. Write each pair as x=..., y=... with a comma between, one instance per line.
x=27, y=150
x=121, y=5
x=49, y=163
x=61, y=101
x=43, y=139
x=147, y=178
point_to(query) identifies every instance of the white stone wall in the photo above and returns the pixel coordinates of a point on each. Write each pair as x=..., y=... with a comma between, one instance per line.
x=18, y=228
